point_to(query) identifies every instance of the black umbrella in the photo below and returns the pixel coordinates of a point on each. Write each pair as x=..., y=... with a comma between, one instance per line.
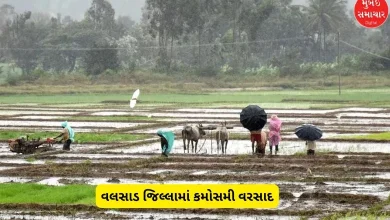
x=308, y=132
x=253, y=117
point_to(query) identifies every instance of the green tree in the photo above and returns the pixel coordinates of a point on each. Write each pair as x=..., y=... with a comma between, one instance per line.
x=102, y=15
x=199, y=16
x=102, y=57
x=6, y=14
x=324, y=17
x=64, y=53
x=23, y=38
x=165, y=22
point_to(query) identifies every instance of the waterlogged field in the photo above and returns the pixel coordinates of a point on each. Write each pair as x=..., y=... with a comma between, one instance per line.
x=349, y=176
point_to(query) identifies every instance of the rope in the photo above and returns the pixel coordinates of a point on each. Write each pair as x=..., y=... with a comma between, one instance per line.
x=202, y=146
x=365, y=51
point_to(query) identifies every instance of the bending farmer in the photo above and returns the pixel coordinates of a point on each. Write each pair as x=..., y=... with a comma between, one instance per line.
x=167, y=139
x=68, y=135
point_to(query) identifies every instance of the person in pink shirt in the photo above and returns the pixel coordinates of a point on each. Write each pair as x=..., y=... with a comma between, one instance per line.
x=274, y=133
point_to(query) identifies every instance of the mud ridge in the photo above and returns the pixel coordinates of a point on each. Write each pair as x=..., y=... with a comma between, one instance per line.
x=70, y=170
x=71, y=209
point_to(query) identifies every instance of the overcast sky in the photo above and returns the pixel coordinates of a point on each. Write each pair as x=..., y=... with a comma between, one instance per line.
x=77, y=8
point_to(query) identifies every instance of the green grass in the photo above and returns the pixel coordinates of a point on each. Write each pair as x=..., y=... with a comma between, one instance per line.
x=362, y=96
x=384, y=136
x=376, y=211
x=79, y=137
x=43, y=194
x=30, y=159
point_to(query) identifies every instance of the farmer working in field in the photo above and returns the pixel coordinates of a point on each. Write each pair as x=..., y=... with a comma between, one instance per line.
x=274, y=133
x=68, y=135
x=167, y=139
x=311, y=147
x=260, y=137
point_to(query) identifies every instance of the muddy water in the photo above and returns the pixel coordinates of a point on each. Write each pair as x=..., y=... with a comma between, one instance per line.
x=378, y=190
x=14, y=215
x=21, y=161
x=73, y=124
x=384, y=175
x=245, y=147
x=38, y=117
x=7, y=154
x=6, y=168
x=284, y=111
x=4, y=149
x=296, y=188
x=287, y=129
x=51, y=181
x=175, y=129
x=9, y=113
x=324, y=135
x=117, y=113
x=336, y=121
x=61, y=160
x=209, y=120
x=361, y=109
x=319, y=120
x=137, y=215
x=54, y=129
x=84, y=147
x=102, y=156
x=363, y=115
x=357, y=129
x=15, y=180
x=110, y=113
x=152, y=215
x=269, y=111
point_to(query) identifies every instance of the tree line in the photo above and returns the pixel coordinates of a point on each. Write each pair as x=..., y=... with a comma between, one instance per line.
x=203, y=36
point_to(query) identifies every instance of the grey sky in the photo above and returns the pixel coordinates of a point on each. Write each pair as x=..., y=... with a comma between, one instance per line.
x=77, y=8
x=350, y=4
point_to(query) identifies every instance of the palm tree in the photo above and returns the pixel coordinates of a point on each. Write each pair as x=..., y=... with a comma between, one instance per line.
x=324, y=16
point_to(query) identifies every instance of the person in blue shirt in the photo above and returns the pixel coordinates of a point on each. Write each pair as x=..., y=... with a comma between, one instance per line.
x=167, y=140
x=67, y=136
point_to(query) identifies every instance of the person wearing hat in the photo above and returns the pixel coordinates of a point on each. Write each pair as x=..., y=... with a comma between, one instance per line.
x=274, y=133
x=67, y=135
x=167, y=140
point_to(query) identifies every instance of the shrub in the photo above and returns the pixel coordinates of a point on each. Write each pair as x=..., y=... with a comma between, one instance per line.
x=318, y=69
x=226, y=69
x=13, y=80
x=208, y=70
x=290, y=70
x=263, y=71
x=110, y=72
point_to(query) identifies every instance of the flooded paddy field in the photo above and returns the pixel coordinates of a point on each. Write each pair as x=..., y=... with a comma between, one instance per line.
x=343, y=176
x=334, y=183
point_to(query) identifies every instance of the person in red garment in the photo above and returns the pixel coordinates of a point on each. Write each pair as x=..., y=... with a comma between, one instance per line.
x=260, y=137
